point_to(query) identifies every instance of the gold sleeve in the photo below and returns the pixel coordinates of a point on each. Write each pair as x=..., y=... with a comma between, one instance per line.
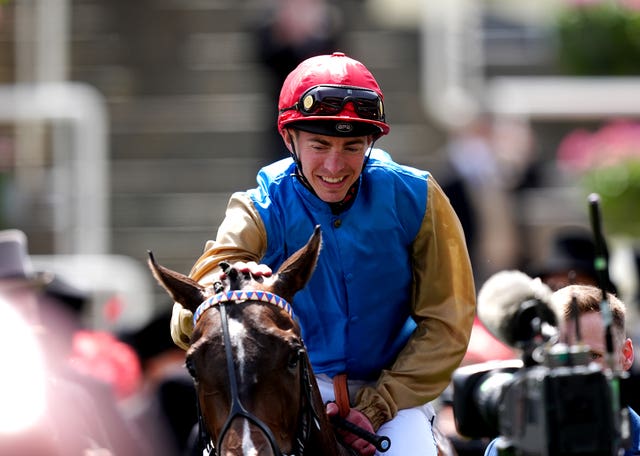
x=240, y=237
x=443, y=306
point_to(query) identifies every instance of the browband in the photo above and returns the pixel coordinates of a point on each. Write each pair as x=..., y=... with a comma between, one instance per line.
x=238, y=295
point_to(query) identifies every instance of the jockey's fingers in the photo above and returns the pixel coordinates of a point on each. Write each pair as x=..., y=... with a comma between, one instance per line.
x=250, y=267
x=332, y=408
x=259, y=269
x=363, y=447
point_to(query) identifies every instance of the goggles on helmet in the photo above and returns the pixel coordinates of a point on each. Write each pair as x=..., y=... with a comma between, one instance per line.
x=327, y=100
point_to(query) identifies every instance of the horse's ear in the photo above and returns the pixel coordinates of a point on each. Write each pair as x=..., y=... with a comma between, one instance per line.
x=296, y=271
x=181, y=288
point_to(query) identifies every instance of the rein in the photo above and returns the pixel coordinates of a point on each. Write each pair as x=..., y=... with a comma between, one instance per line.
x=220, y=301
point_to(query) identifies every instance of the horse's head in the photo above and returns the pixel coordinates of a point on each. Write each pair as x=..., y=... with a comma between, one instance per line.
x=247, y=356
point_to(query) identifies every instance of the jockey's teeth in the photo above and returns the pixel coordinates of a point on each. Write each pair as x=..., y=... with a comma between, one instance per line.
x=332, y=180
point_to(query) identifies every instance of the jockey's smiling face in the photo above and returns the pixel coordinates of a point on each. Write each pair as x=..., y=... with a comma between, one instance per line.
x=330, y=164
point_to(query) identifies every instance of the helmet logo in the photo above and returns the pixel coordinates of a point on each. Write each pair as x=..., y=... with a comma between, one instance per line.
x=307, y=103
x=344, y=127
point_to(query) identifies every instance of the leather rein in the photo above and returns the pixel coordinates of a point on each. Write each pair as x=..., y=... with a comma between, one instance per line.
x=307, y=415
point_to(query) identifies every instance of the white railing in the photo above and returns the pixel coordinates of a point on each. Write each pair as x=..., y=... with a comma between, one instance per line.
x=80, y=166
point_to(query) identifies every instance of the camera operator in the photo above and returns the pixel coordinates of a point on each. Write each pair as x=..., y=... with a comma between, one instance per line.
x=588, y=299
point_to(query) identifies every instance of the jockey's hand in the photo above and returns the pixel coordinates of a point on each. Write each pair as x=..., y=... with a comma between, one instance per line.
x=182, y=319
x=256, y=270
x=181, y=326
x=358, y=418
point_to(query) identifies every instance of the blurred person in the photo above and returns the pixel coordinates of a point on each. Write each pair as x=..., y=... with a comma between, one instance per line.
x=392, y=299
x=22, y=387
x=291, y=31
x=288, y=32
x=588, y=299
x=166, y=403
x=570, y=259
x=49, y=434
x=475, y=181
x=79, y=413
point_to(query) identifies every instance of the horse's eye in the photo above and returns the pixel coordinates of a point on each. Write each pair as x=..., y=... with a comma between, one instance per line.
x=294, y=358
x=190, y=367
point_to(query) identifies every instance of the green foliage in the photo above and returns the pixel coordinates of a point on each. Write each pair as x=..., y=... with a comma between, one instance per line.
x=619, y=188
x=607, y=162
x=600, y=39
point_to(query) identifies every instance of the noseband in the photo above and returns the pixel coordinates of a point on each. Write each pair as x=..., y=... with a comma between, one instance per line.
x=307, y=413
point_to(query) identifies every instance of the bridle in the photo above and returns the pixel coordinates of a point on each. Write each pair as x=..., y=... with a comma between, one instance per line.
x=307, y=416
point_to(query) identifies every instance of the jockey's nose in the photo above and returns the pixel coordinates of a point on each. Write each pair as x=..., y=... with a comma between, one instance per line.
x=334, y=162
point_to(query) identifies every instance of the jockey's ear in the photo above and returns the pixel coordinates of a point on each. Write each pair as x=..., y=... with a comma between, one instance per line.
x=181, y=288
x=288, y=140
x=296, y=271
x=627, y=354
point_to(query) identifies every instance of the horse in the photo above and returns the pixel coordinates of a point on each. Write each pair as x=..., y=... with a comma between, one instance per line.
x=256, y=390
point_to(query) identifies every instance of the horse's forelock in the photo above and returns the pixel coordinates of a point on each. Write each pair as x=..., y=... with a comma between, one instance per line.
x=238, y=280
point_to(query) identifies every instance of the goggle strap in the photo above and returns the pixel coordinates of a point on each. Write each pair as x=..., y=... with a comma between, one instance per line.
x=290, y=108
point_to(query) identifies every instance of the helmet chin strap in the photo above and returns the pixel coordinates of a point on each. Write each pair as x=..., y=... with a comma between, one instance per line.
x=298, y=163
x=367, y=155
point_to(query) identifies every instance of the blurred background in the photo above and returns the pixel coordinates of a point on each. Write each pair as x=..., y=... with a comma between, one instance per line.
x=125, y=125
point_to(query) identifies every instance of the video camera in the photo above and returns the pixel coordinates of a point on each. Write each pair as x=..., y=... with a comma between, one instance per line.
x=553, y=401
x=565, y=406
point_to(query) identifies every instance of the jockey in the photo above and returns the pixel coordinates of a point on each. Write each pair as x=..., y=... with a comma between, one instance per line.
x=392, y=299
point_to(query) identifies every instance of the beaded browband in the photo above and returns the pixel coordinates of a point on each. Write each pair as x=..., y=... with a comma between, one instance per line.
x=246, y=295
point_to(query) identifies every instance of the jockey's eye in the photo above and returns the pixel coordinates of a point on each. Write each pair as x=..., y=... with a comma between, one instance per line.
x=190, y=367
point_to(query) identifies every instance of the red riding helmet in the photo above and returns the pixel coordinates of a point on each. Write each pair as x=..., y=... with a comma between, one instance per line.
x=333, y=95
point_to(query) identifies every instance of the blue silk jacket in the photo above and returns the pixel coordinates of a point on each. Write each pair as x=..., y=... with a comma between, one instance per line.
x=355, y=312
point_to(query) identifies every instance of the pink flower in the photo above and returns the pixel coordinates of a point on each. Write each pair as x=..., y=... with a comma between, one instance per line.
x=574, y=152
x=631, y=4
x=613, y=143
